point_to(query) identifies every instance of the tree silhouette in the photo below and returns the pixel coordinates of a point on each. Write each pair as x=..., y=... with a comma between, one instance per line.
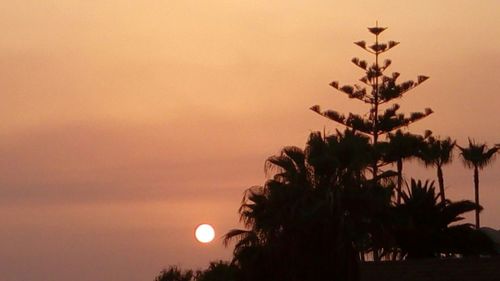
x=437, y=152
x=477, y=156
x=218, y=271
x=174, y=273
x=311, y=218
x=378, y=90
x=325, y=207
x=401, y=146
x=422, y=225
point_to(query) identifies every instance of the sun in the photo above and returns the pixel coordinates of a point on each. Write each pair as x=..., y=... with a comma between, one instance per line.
x=204, y=233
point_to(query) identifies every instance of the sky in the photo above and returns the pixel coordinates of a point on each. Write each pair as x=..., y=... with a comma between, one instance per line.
x=124, y=124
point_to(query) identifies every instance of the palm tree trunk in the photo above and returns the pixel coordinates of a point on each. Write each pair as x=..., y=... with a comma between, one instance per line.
x=476, y=192
x=400, y=179
x=441, y=183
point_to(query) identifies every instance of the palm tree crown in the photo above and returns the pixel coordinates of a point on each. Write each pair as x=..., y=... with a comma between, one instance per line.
x=401, y=146
x=438, y=152
x=478, y=155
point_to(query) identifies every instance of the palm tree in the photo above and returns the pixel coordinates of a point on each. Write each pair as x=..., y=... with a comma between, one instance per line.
x=309, y=218
x=401, y=146
x=477, y=156
x=278, y=218
x=437, y=152
x=422, y=225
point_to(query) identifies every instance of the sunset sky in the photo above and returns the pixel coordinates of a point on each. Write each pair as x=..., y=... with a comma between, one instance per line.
x=124, y=124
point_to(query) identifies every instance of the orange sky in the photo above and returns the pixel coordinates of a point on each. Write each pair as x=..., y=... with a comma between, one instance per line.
x=126, y=123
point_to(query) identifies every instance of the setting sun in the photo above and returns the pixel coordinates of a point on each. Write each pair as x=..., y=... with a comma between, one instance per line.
x=204, y=233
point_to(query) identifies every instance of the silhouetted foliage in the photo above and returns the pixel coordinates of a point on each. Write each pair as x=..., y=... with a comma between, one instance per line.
x=401, y=146
x=438, y=152
x=174, y=273
x=477, y=156
x=425, y=227
x=378, y=89
x=218, y=271
x=320, y=213
x=313, y=216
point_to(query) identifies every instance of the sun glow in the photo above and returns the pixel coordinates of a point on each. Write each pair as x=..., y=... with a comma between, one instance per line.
x=204, y=233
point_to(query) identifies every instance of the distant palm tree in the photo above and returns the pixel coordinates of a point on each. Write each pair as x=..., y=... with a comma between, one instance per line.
x=437, y=152
x=401, y=146
x=477, y=156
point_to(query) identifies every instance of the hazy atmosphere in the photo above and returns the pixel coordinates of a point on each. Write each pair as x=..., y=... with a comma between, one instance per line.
x=124, y=124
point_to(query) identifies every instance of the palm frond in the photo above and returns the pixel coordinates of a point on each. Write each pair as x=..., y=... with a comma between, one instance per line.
x=247, y=236
x=452, y=211
x=477, y=155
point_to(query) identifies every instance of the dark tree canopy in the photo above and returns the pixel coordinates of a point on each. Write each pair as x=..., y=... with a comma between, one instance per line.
x=174, y=273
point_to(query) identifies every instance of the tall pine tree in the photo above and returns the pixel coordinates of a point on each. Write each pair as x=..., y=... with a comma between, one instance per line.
x=379, y=90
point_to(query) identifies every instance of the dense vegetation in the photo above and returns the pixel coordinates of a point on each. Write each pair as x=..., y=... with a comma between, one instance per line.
x=216, y=271
x=342, y=200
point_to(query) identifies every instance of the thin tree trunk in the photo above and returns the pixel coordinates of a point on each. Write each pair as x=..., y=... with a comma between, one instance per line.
x=476, y=191
x=441, y=183
x=400, y=179
x=398, y=195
